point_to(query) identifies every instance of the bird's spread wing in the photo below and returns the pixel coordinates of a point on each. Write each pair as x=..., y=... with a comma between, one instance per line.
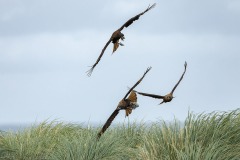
x=151, y=95
x=139, y=81
x=89, y=72
x=185, y=66
x=130, y=21
x=132, y=97
x=108, y=123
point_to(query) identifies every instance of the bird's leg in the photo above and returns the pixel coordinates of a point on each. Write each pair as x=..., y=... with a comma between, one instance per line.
x=122, y=38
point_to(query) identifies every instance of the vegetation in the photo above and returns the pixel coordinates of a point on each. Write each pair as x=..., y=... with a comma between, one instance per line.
x=201, y=137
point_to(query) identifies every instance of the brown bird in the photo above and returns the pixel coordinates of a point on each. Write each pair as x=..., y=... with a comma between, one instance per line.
x=116, y=36
x=167, y=97
x=128, y=103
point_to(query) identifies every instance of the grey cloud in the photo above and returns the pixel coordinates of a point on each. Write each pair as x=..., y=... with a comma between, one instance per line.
x=46, y=46
x=168, y=17
x=54, y=16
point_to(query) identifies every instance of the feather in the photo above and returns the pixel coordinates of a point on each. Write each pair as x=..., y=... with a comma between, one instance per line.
x=108, y=123
x=185, y=67
x=89, y=72
x=137, y=83
x=131, y=20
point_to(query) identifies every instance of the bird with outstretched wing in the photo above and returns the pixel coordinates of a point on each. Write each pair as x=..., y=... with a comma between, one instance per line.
x=168, y=97
x=116, y=36
x=128, y=103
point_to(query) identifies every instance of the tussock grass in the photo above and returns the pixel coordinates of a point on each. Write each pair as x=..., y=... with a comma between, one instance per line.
x=201, y=137
x=205, y=136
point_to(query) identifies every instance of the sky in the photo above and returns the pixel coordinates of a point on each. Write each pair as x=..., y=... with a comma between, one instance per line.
x=46, y=47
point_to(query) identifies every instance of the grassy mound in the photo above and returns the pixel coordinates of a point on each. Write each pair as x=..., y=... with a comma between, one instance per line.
x=201, y=137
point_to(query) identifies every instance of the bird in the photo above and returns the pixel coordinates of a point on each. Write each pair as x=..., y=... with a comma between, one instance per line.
x=116, y=36
x=168, y=97
x=128, y=103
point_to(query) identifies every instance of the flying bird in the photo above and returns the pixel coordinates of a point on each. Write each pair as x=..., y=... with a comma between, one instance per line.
x=116, y=36
x=128, y=103
x=168, y=97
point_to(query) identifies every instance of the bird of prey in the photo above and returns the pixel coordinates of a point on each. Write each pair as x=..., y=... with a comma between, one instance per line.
x=128, y=103
x=168, y=97
x=116, y=36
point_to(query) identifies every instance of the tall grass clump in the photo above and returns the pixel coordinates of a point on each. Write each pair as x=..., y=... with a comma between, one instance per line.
x=205, y=136
x=54, y=140
x=85, y=145
x=36, y=142
x=201, y=137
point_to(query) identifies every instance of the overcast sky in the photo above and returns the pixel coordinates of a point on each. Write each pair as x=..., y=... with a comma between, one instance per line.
x=46, y=47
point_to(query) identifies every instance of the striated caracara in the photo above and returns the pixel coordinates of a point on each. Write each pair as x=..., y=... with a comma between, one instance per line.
x=168, y=97
x=116, y=36
x=128, y=103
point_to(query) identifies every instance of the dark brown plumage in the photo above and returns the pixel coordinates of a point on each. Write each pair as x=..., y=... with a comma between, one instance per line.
x=116, y=36
x=128, y=103
x=168, y=97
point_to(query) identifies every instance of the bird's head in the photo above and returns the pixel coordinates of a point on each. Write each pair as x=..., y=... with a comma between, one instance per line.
x=168, y=97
